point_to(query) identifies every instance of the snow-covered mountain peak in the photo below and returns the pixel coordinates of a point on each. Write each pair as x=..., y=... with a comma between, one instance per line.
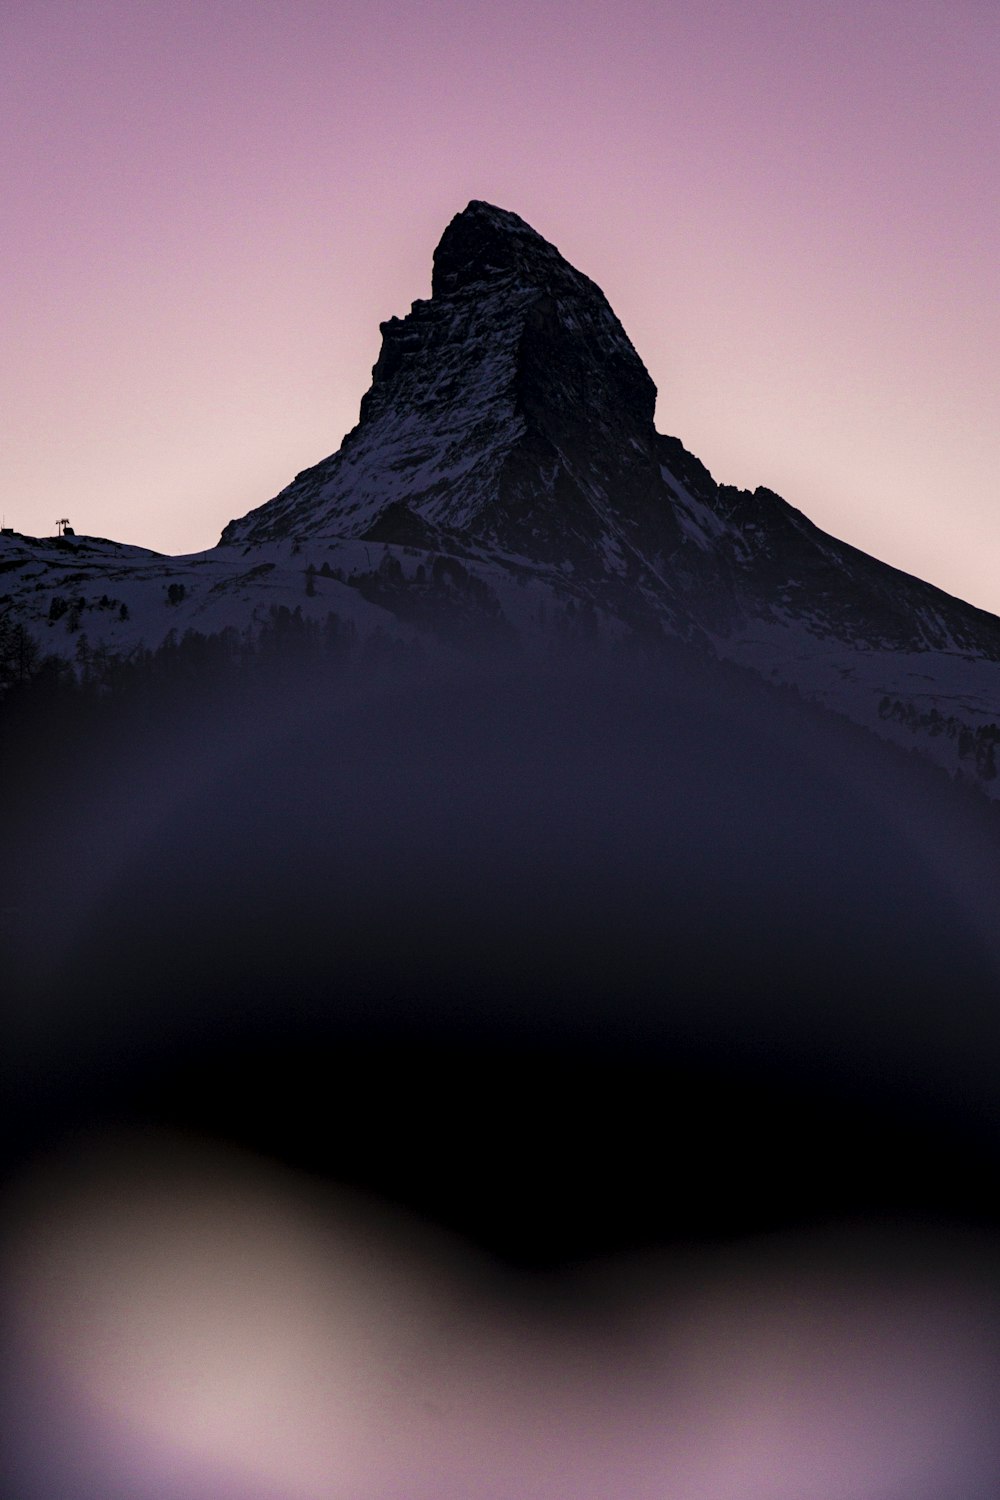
x=486, y=249
x=483, y=243
x=510, y=408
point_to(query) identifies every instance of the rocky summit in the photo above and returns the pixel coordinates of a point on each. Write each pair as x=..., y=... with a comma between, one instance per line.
x=510, y=408
x=510, y=412
x=505, y=483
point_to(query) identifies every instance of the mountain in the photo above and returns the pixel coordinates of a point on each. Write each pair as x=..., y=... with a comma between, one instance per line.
x=509, y=413
x=505, y=485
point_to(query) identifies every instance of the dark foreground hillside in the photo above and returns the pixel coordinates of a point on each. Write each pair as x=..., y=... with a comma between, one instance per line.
x=567, y=961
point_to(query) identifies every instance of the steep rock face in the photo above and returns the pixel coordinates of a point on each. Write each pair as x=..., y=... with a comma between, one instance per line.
x=510, y=408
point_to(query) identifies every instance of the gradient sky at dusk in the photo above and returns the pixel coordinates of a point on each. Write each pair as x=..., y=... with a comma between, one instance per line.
x=792, y=205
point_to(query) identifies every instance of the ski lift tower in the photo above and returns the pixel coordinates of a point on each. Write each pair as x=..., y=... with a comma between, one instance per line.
x=63, y=526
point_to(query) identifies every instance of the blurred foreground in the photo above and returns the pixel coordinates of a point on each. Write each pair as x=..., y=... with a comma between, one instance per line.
x=496, y=1084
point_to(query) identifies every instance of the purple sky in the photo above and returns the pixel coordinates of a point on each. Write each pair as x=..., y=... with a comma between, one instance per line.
x=791, y=204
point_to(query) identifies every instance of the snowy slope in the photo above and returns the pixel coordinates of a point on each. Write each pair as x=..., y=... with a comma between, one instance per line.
x=69, y=589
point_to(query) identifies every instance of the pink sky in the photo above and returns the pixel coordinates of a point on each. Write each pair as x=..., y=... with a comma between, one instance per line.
x=209, y=205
